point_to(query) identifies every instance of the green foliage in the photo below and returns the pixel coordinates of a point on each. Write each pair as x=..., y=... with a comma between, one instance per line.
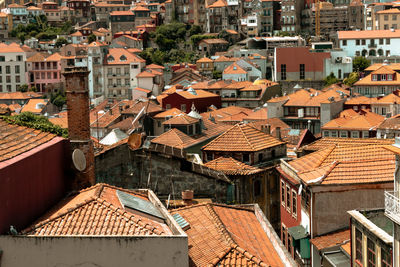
x=58, y=99
x=195, y=29
x=159, y=57
x=60, y=42
x=168, y=36
x=33, y=89
x=331, y=79
x=217, y=74
x=353, y=77
x=195, y=39
x=91, y=38
x=40, y=29
x=360, y=64
x=31, y=120
x=23, y=88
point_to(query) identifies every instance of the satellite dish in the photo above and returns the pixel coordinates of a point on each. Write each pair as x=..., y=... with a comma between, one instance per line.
x=79, y=160
x=135, y=141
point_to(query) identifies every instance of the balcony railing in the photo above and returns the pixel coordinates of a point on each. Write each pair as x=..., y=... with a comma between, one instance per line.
x=372, y=46
x=392, y=205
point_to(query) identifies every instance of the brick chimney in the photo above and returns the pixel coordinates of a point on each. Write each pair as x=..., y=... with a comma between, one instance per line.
x=76, y=84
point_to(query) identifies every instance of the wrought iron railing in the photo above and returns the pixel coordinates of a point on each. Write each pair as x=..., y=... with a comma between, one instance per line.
x=392, y=205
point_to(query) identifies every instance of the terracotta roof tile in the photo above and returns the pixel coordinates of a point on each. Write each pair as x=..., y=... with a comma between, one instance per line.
x=363, y=120
x=230, y=166
x=137, y=106
x=178, y=139
x=121, y=56
x=214, y=41
x=169, y=112
x=261, y=114
x=242, y=137
x=96, y=211
x=15, y=140
x=332, y=239
x=234, y=69
x=368, y=34
x=346, y=165
x=174, y=138
x=343, y=142
x=180, y=119
x=19, y=95
x=218, y=3
x=310, y=97
x=154, y=66
x=204, y=59
x=221, y=235
x=199, y=94
x=33, y=105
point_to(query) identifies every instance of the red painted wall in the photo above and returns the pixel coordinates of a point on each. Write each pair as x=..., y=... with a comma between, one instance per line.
x=294, y=56
x=201, y=104
x=32, y=182
x=286, y=218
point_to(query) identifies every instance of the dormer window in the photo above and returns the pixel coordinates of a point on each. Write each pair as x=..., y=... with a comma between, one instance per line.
x=122, y=58
x=374, y=77
x=383, y=77
x=390, y=77
x=110, y=59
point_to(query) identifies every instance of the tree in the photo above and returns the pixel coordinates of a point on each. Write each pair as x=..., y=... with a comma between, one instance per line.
x=353, y=77
x=60, y=42
x=23, y=88
x=195, y=29
x=217, y=74
x=331, y=79
x=360, y=64
x=58, y=99
x=91, y=38
x=195, y=39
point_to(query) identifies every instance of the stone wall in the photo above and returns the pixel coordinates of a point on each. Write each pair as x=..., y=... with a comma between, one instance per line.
x=123, y=167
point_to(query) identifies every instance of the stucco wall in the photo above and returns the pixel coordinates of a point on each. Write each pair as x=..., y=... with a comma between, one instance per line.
x=94, y=251
x=330, y=208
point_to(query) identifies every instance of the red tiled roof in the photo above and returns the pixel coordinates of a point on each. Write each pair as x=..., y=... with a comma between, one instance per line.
x=346, y=165
x=230, y=166
x=180, y=119
x=221, y=235
x=234, y=69
x=174, y=138
x=331, y=240
x=19, y=95
x=363, y=120
x=368, y=34
x=96, y=211
x=32, y=105
x=169, y=112
x=121, y=56
x=15, y=140
x=138, y=105
x=242, y=137
x=343, y=142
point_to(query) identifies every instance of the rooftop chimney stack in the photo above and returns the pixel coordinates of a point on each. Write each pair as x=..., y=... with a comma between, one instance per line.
x=76, y=84
x=187, y=197
x=268, y=129
x=278, y=132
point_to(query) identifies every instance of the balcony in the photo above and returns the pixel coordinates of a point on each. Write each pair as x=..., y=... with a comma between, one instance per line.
x=392, y=206
x=372, y=46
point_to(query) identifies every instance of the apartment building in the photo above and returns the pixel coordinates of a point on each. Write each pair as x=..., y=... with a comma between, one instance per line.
x=291, y=15
x=12, y=66
x=270, y=17
x=44, y=72
x=121, y=68
x=223, y=15
x=387, y=19
x=370, y=43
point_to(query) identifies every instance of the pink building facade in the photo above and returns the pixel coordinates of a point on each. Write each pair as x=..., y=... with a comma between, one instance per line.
x=44, y=72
